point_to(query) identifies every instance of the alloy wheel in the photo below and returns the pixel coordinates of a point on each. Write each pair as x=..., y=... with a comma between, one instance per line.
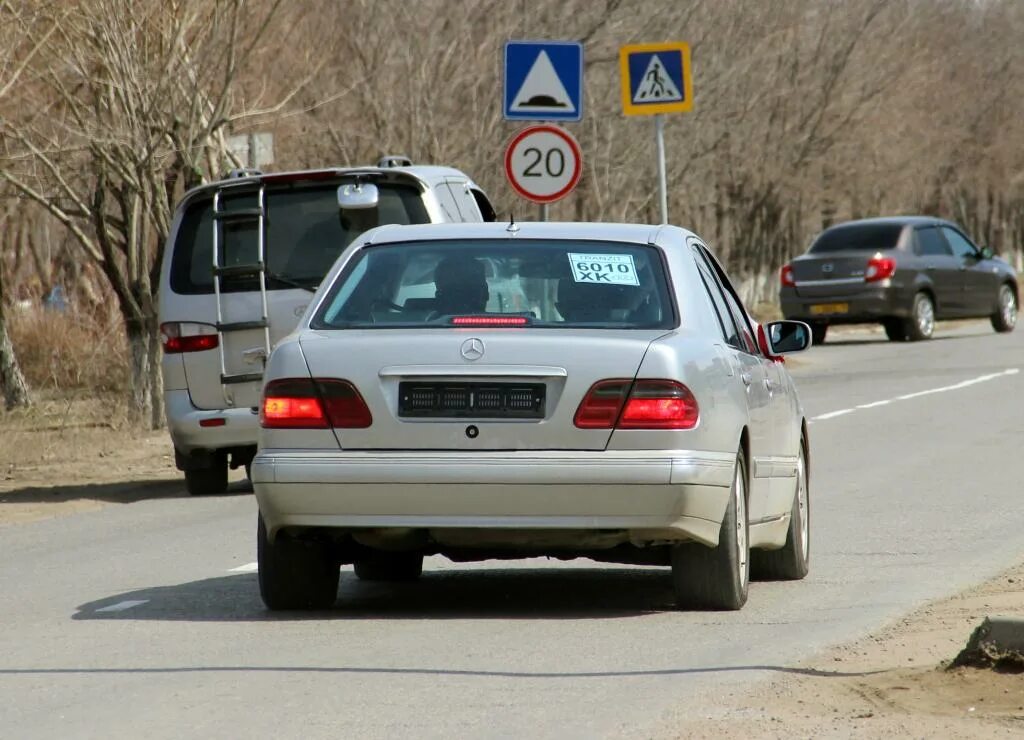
x=924, y=313
x=743, y=552
x=1008, y=305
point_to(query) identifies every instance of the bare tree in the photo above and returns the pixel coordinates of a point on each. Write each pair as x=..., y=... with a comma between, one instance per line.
x=130, y=109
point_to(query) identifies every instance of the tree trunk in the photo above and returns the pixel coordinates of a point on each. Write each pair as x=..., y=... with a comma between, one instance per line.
x=156, y=381
x=139, y=339
x=12, y=382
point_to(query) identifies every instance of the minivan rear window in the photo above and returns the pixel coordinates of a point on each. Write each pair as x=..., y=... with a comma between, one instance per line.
x=534, y=282
x=305, y=232
x=858, y=237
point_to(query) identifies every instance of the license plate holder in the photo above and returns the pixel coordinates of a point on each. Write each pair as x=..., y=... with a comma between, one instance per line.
x=830, y=308
x=480, y=400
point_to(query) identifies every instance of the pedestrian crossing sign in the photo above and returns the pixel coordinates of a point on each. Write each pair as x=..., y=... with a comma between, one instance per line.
x=656, y=78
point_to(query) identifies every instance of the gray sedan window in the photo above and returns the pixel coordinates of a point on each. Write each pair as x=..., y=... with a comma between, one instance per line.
x=930, y=243
x=962, y=247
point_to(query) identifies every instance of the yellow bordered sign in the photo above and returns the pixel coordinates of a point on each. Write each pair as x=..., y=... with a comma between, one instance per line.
x=656, y=78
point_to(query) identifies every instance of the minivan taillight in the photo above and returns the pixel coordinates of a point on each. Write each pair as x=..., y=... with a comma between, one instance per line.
x=786, y=276
x=313, y=403
x=640, y=404
x=188, y=336
x=879, y=268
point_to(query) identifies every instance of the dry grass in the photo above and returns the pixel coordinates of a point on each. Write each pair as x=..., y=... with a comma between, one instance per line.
x=71, y=351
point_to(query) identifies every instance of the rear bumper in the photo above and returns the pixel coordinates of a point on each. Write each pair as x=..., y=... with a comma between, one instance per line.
x=869, y=304
x=240, y=428
x=654, y=496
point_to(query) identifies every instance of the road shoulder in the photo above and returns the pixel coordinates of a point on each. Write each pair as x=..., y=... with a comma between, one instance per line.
x=893, y=683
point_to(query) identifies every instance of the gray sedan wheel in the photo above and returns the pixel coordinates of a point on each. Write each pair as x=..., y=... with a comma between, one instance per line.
x=1005, y=317
x=293, y=573
x=792, y=562
x=718, y=577
x=921, y=324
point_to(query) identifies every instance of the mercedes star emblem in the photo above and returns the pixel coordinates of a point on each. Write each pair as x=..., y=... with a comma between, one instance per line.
x=473, y=349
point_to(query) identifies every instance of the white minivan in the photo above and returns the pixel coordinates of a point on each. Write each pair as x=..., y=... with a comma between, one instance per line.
x=243, y=257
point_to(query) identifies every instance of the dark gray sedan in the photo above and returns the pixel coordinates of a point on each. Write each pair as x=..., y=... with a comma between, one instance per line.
x=904, y=273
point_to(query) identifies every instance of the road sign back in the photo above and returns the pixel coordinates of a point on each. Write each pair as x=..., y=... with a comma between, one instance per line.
x=543, y=80
x=656, y=78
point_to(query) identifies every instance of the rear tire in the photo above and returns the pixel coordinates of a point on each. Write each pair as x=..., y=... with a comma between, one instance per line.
x=389, y=566
x=921, y=324
x=718, y=577
x=895, y=330
x=1005, y=317
x=818, y=332
x=295, y=574
x=792, y=562
x=208, y=481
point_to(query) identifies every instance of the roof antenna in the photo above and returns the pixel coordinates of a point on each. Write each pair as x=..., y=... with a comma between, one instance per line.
x=513, y=227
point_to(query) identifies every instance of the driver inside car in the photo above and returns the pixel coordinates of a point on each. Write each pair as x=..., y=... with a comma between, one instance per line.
x=460, y=286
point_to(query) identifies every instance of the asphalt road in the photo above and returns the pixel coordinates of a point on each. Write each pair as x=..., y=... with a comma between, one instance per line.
x=145, y=620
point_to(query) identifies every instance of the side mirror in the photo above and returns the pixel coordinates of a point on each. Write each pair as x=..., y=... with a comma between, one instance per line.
x=987, y=253
x=358, y=196
x=785, y=337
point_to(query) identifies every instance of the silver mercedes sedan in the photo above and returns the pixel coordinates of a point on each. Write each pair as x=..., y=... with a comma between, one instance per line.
x=542, y=389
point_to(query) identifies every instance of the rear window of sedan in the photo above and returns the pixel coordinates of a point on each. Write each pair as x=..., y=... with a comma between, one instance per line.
x=858, y=237
x=544, y=283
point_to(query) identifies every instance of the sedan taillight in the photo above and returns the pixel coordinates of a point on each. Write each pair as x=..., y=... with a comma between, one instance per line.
x=641, y=404
x=879, y=268
x=313, y=403
x=786, y=276
x=188, y=336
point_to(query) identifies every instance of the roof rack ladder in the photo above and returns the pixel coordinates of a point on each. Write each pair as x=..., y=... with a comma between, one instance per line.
x=235, y=215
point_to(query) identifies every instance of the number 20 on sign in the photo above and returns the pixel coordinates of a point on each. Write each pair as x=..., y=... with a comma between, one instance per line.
x=543, y=163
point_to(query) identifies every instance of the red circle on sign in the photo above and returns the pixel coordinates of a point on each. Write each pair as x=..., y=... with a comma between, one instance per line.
x=566, y=137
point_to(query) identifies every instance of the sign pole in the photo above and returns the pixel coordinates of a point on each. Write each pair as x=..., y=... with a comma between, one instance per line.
x=659, y=138
x=543, y=212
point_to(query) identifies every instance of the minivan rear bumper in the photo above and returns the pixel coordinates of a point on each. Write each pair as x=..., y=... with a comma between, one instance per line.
x=240, y=427
x=655, y=495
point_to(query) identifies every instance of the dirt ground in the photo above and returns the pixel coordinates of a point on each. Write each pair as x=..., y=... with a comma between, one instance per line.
x=60, y=459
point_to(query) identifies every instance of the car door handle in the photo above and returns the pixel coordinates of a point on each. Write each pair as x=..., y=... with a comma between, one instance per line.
x=746, y=378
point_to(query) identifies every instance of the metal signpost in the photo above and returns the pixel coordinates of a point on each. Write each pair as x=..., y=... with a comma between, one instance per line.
x=543, y=81
x=543, y=163
x=656, y=79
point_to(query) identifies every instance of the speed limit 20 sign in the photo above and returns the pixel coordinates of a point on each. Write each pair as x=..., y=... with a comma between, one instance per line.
x=543, y=163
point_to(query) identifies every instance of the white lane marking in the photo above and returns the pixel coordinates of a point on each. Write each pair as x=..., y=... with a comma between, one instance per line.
x=247, y=568
x=833, y=414
x=918, y=394
x=122, y=605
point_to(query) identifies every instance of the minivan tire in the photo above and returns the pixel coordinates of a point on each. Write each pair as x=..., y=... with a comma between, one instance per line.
x=389, y=566
x=1005, y=317
x=920, y=325
x=208, y=481
x=295, y=574
x=717, y=577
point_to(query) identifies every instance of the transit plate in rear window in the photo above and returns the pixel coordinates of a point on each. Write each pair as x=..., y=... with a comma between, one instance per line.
x=441, y=400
